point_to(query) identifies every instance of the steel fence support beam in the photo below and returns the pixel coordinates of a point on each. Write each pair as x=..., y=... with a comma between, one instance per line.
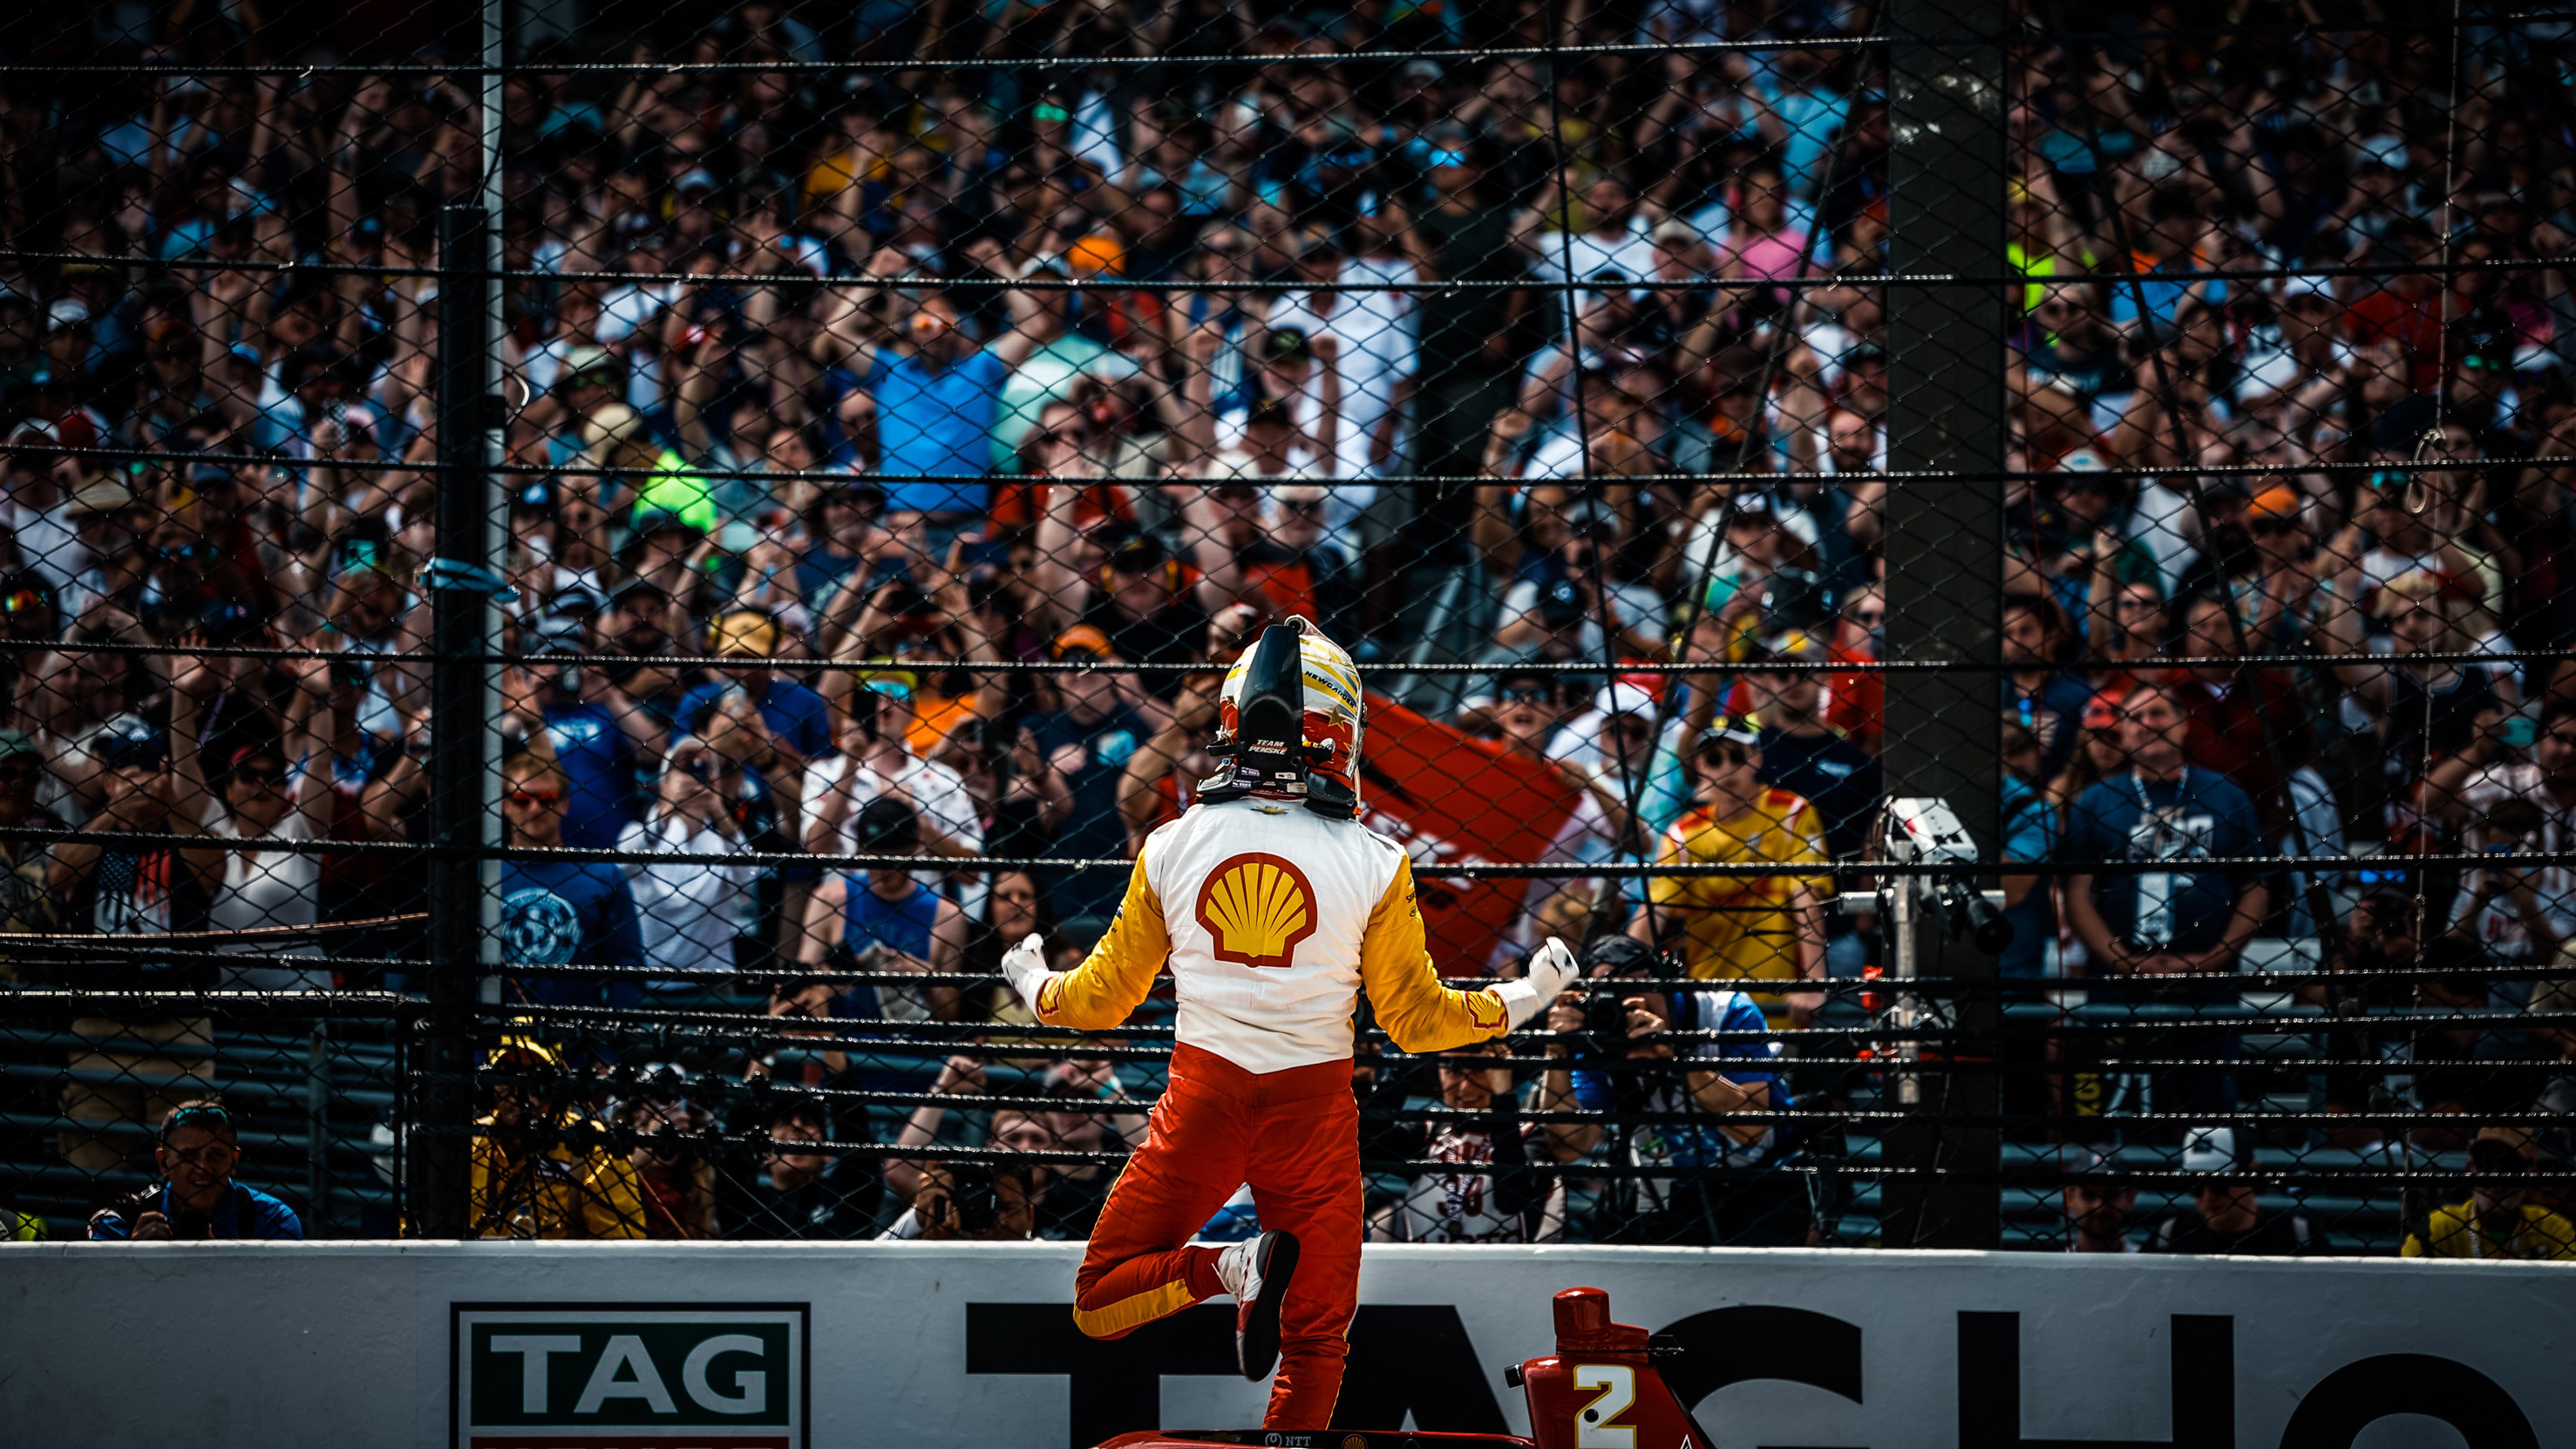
x=1945, y=544
x=464, y=779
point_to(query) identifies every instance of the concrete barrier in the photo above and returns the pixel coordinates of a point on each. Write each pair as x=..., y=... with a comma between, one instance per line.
x=742, y=1346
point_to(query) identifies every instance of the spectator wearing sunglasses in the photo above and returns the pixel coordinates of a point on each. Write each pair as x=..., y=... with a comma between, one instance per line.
x=1770, y=928
x=197, y=1197
x=269, y=793
x=557, y=912
x=687, y=902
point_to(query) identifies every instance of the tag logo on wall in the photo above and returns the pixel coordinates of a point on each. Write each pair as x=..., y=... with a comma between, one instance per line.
x=627, y=1375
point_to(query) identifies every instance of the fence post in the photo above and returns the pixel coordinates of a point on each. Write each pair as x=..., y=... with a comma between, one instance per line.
x=1945, y=551
x=463, y=781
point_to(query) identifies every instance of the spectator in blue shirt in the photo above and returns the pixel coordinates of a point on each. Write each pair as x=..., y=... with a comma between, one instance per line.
x=560, y=912
x=937, y=394
x=2161, y=923
x=2168, y=920
x=197, y=1197
x=1722, y=1079
x=2038, y=693
x=591, y=744
x=799, y=722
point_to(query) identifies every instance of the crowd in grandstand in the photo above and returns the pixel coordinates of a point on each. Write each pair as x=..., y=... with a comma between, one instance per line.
x=835, y=354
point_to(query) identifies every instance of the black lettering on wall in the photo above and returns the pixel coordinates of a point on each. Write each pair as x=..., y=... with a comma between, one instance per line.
x=1116, y=1384
x=2202, y=1388
x=1405, y=1358
x=1759, y=1341
x=2334, y=1412
x=1415, y=1358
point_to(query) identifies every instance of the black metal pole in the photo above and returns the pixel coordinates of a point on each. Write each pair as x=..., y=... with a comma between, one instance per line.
x=1945, y=550
x=462, y=781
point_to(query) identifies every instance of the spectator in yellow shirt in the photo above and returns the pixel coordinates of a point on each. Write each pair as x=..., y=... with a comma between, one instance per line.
x=1743, y=927
x=2497, y=1221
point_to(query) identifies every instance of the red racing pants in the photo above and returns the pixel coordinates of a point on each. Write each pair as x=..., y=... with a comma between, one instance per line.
x=1294, y=1136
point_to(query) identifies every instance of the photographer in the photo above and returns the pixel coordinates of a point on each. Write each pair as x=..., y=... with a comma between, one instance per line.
x=197, y=1197
x=541, y=1166
x=971, y=1199
x=1688, y=1120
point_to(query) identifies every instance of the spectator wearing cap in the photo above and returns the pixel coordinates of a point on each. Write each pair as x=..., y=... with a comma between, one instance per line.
x=937, y=395
x=1081, y=751
x=2098, y=1209
x=197, y=1198
x=1765, y=929
x=546, y=697
x=1805, y=755
x=2499, y=1219
x=542, y=1167
x=559, y=912
x=2244, y=721
x=1150, y=607
x=794, y=1191
x=2227, y=1217
x=882, y=920
x=143, y=889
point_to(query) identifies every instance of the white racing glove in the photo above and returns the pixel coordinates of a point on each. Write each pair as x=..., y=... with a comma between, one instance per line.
x=1552, y=968
x=1024, y=966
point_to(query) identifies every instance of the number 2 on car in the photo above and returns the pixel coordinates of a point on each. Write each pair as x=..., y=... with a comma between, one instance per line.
x=1597, y=1427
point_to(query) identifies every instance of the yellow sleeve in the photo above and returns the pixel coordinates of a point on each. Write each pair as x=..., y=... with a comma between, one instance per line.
x=1419, y=1013
x=2413, y=1247
x=1116, y=976
x=612, y=1199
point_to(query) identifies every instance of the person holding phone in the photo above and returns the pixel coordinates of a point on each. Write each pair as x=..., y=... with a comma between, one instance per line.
x=688, y=903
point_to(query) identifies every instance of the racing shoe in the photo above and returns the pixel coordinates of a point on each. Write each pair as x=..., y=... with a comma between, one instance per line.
x=1258, y=1273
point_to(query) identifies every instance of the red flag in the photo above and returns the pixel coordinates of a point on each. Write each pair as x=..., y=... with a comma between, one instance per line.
x=1452, y=800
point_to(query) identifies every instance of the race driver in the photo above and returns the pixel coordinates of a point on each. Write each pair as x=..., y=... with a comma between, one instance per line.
x=1274, y=908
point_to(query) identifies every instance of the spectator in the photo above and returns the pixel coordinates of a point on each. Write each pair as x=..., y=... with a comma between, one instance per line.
x=801, y=1194
x=541, y=1166
x=1763, y=928
x=25, y=903
x=1711, y=1124
x=589, y=745
x=795, y=724
x=2226, y=1216
x=2159, y=923
x=557, y=912
x=674, y=1184
x=979, y=1201
x=2030, y=830
x=687, y=908
x=2499, y=1219
x=935, y=393
x=883, y=920
x=1081, y=749
x=197, y=1197
x=1512, y=1202
x=2098, y=1210
x=2048, y=699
